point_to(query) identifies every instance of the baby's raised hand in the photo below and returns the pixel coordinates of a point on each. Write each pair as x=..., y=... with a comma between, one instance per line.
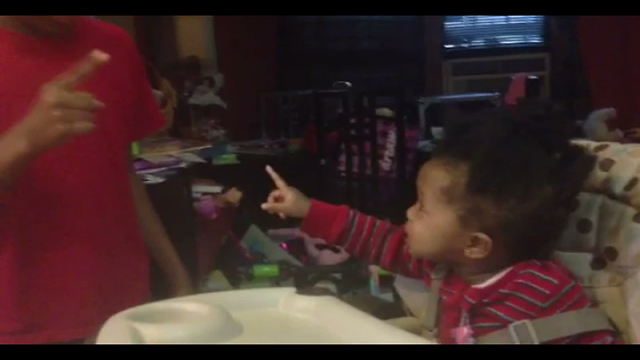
x=286, y=201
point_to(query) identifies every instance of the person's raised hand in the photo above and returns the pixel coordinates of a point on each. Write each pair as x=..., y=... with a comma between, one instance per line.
x=61, y=112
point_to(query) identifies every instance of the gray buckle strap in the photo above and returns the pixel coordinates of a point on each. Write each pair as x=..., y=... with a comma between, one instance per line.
x=550, y=328
x=523, y=332
x=430, y=321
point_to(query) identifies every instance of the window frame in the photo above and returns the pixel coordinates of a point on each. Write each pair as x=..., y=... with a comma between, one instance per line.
x=488, y=52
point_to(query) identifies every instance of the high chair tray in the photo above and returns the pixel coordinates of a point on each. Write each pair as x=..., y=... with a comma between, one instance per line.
x=256, y=316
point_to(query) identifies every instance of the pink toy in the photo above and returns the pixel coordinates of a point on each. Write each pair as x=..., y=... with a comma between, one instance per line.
x=321, y=252
x=517, y=89
x=207, y=207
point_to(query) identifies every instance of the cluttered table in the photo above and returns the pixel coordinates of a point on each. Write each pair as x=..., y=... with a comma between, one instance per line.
x=202, y=191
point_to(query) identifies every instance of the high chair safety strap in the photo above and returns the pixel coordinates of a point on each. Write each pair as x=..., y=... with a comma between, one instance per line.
x=430, y=320
x=550, y=328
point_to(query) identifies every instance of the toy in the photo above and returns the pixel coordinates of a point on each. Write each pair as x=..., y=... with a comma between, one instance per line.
x=318, y=249
x=597, y=126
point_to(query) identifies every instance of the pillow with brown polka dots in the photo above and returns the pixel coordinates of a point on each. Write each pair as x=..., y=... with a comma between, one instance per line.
x=617, y=171
x=604, y=255
x=601, y=243
x=631, y=296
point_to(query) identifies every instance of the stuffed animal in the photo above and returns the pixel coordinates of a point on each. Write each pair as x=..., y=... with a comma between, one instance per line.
x=209, y=205
x=596, y=127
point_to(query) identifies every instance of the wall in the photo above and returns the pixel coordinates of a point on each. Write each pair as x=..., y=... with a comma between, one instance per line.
x=188, y=35
x=611, y=53
x=247, y=56
x=569, y=81
x=195, y=36
x=124, y=21
x=433, y=55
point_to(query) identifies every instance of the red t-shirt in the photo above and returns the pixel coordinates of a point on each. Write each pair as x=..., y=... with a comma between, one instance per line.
x=71, y=251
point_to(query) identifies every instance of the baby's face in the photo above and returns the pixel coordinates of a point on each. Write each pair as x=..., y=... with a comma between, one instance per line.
x=433, y=227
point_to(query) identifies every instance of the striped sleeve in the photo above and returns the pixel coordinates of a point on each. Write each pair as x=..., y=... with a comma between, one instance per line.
x=366, y=238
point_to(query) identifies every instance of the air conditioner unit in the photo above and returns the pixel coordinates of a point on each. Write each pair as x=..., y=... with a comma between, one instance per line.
x=493, y=74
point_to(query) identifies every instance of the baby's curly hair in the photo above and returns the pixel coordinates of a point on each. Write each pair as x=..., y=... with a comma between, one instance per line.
x=520, y=174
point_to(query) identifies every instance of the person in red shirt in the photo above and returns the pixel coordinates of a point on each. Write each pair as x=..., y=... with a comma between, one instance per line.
x=76, y=225
x=491, y=204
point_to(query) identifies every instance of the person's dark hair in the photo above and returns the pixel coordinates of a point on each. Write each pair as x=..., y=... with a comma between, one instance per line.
x=521, y=174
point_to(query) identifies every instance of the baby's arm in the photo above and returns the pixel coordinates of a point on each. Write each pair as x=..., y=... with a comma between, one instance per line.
x=366, y=238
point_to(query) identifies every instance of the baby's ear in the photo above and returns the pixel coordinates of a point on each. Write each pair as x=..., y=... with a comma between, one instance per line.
x=479, y=246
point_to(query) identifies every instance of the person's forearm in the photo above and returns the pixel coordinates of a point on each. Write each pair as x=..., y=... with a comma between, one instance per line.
x=15, y=155
x=156, y=238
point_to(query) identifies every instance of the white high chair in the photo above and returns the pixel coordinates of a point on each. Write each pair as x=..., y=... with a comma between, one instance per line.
x=256, y=316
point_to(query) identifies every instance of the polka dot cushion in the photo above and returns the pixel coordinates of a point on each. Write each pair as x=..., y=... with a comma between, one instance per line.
x=601, y=243
x=617, y=172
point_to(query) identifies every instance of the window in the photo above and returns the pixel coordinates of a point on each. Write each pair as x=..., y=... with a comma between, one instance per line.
x=471, y=32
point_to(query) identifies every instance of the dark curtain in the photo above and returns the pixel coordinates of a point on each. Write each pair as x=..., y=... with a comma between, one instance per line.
x=611, y=53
